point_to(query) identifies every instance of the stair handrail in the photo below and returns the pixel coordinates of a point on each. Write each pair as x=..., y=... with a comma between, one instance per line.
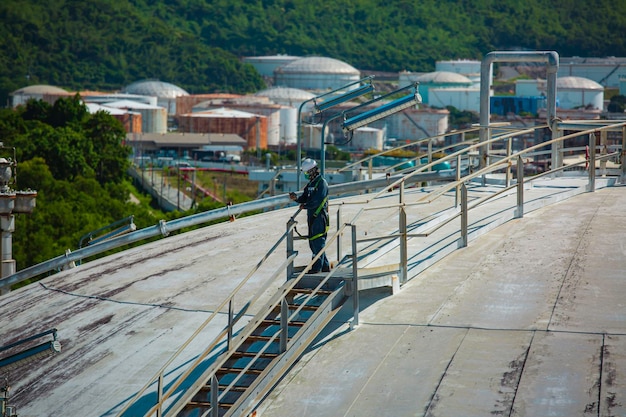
x=402, y=180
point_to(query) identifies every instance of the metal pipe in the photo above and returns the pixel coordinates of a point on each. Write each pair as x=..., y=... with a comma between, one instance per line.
x=551, y=58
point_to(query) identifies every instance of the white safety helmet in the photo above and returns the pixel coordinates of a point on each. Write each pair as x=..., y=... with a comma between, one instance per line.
x=308, y=164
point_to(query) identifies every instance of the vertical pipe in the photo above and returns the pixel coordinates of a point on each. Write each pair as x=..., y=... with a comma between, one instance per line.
x=463, y=241
x=402, y=226
x=520, y=188
x=551, y=58
x=592, y=163
x=355, y=278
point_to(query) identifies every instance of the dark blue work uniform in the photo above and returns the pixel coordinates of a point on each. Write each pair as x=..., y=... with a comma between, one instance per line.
x=315, y=200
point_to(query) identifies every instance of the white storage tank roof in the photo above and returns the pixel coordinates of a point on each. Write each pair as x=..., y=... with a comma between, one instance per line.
x=316, y=73
x=265, y=65
x=577, y=83
x=39, y=89
x=318, y=65
x=443, y=77
x=165, y=93
x=284, y=95
x=578, y=92
x=155, y=88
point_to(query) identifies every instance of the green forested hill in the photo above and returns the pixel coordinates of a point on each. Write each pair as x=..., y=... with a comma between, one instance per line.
x=106, y=44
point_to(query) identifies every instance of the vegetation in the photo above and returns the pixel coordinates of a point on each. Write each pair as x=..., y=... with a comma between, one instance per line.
x=196, y=44
x=77, y=162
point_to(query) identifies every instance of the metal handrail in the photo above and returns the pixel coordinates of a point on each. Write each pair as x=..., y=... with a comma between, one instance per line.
x=401, y=181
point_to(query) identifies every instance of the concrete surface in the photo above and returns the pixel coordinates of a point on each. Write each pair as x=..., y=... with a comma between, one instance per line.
x=528, y=320
x=525, y=321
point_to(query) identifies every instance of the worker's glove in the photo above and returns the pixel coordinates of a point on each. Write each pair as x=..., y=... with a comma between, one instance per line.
x=293, y=196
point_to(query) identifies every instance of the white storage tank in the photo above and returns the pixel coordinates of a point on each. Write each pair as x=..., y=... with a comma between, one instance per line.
x=153, y=118
x=467, y=67
x=36, y=92
x=165, y=93
x=312, y=136
x=459, y=98
x=288, y=125
x=368, y=138
x=266, y=65
x=578, y=92
x=316, y=73
x=438, y=79
x=286, y=96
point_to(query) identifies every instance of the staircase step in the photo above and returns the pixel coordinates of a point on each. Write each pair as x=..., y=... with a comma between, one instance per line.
x=239, y=354
x=309, y=291
x=270, y=322
x=225, y=370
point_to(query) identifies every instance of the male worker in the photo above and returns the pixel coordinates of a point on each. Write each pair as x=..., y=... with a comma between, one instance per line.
x=315, y=200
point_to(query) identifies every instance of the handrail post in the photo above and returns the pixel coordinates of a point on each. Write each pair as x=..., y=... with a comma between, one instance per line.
x=623, y=156
x=339, y=249
x=592, y=163
x=557, y=153
x=403, y=239
x=509, y=149
x=159, y=395
x=458, y=179
x=284, y=328
x=430, y=153
x=215, y=410
x=289, y=245
x=463, y=242
x=520, y=188
x=355, y=278
x=603, y=151
x=229, y=339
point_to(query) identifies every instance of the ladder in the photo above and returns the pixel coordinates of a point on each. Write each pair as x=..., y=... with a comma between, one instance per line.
x=266, y=349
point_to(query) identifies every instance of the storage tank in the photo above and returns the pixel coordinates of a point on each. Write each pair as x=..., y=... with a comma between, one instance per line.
x=165, y=93
x=288, y=125
x=368, y=138
x=466, y=67
x=153, y=118
x=286, y=96
x=316, y=73
x=47, y=93
x=440, y=79
x=266, y=65
x=312, y=136
x=577, y=92
x=251, y=127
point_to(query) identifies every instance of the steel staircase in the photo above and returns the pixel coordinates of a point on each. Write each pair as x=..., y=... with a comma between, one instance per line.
x=265, y=349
